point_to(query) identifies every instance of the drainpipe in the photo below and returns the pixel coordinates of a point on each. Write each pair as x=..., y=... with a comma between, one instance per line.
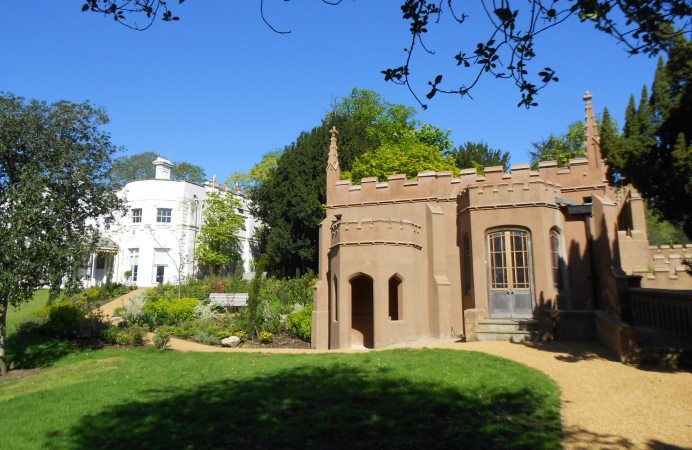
x=584, y=210
x=194, y=240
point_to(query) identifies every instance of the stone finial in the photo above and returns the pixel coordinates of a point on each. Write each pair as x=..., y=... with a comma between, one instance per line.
x=333, y=160
x=593, y=138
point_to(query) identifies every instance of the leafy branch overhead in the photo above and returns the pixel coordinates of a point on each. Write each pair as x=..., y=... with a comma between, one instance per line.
x=509, y=49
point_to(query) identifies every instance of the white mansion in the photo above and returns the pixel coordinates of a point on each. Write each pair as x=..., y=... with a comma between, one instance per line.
x=155, y=240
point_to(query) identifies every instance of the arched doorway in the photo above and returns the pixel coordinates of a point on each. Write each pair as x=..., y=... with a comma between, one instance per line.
x=510, y=274
x=362, y=320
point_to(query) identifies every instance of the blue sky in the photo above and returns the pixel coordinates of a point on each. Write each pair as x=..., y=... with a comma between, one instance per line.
x=220, y=89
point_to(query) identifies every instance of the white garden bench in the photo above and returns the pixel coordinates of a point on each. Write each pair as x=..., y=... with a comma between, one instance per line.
x=232, y=299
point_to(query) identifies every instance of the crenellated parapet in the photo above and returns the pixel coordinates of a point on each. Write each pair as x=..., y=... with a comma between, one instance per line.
x=444, y=186
x=509, y=194
x=368, y=231
x=667, y=267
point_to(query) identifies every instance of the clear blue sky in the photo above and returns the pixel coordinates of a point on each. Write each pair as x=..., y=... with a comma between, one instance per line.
x=219, y=89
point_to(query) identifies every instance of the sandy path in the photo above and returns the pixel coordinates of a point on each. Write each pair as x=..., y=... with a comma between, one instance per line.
x=605, y=404
x=108, y=309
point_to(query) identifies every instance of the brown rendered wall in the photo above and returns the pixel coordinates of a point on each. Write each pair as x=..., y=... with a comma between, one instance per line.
x=414, y=229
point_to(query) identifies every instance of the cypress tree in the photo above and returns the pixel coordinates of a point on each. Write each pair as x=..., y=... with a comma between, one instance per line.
x=611, y=146
x=646, y=124
x=660, y=93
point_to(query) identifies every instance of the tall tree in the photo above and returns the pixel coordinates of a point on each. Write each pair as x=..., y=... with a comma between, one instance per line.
x=507, y=50
x=561, y=148
x=479, y=155
x=654, y=152
x=218, y=246
x=290, y=201
x=185, y=171
x=139, y=167
x=54, y=183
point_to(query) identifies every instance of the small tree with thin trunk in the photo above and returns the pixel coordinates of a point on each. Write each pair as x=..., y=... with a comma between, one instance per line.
x=218, y=246
x=54, y=166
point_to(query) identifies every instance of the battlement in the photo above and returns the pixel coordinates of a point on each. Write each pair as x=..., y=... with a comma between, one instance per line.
x=444, y=186
x=368, y=231
x=509, y=194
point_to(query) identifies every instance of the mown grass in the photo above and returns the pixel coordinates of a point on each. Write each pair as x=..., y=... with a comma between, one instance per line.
x=143, y=398
x=25, y=311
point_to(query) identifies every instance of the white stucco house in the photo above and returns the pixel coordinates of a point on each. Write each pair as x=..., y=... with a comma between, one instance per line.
x=155, y=240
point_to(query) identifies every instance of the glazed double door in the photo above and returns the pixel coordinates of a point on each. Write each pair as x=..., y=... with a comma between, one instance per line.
x=509, y=278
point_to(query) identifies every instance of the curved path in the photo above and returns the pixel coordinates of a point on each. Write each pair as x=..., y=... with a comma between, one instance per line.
x=108, y=309
x=605, y=404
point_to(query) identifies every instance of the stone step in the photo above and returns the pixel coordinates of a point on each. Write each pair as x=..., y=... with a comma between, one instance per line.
x=506, y=325
x=513, y=336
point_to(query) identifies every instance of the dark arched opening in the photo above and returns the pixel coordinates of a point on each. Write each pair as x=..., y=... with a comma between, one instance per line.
x=362, y=326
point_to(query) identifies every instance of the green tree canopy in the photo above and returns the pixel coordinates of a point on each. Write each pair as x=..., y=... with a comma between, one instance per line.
x=479, y=155
x=55, y=161
x=139, y=167
x=290, y=201
x=391, y=159
x=259, y=173
x=654, y=150
x=561, y=148
x=218, y=246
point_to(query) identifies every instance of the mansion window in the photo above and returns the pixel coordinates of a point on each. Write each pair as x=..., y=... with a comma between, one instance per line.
x=134, y=263
x=137, y=215
x=163, y=215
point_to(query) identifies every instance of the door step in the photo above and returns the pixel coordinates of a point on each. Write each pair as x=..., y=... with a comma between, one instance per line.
x=514, y=330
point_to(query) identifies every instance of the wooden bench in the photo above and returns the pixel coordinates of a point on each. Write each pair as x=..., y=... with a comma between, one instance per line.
x=233, y=299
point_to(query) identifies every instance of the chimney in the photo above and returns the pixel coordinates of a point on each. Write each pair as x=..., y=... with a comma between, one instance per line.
x=163, y=169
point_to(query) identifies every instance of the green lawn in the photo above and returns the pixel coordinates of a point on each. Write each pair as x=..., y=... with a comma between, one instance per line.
x=144, y=398
x=25, y=311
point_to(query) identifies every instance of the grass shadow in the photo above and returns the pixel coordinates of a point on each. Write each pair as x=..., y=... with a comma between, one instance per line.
x=339, y=406
x=33, y=350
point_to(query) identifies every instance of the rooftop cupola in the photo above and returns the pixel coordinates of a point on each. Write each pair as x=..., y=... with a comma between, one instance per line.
x=163, y=168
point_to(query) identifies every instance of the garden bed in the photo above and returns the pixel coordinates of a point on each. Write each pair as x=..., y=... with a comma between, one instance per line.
x=279, y=340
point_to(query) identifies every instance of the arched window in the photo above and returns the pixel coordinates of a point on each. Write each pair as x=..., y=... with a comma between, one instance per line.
x=509, y=273
x=468, y=274
x=395, y=298
x=555, y=258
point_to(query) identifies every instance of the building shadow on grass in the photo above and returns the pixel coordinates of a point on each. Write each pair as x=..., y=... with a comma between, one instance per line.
x=316, y=407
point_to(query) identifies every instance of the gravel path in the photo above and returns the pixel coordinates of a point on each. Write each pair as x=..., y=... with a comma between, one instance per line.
x=605, y=404
x=119, y=302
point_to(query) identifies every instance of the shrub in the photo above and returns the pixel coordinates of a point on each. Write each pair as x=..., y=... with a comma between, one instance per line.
x=169, y=312
x=66, y=320
x=183, y=331
x=161, y=338
x=204, y=311
x=300, y=323
x=266, y=337
x=206, y=337
x=133, y=335
x=241, y=334
x=299, y=290
x=132, y=312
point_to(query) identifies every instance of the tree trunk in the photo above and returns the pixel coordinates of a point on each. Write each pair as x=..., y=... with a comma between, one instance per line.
x=3, y=335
